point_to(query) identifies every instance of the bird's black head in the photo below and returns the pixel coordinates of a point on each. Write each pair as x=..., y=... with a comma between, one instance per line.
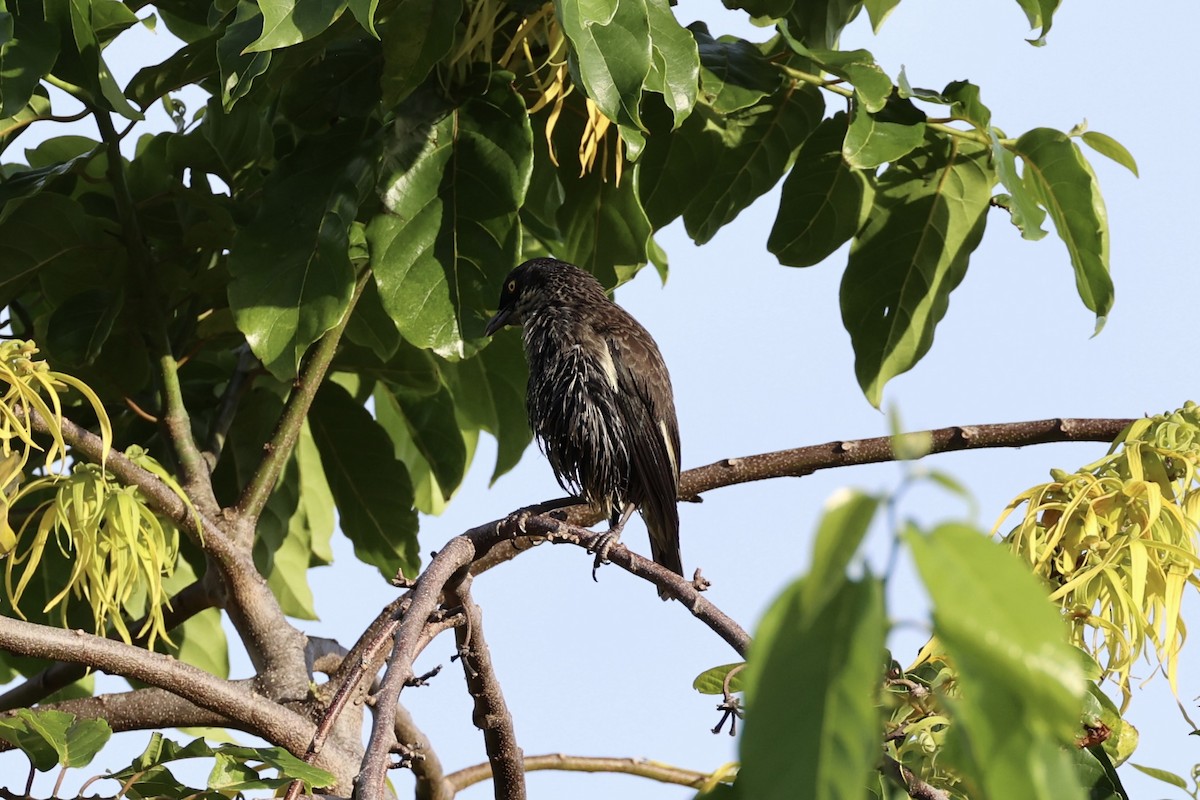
x=543, y=283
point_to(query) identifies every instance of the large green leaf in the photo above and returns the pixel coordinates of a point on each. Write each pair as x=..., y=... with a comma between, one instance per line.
x=288, y=22
x=12, y=127
x=46, y=231
x=371, y=487
x=611, y=45
x=1040, y=14
x=51, y=737
x=24, y=61
x=824, y=201
x=929, y=215
x=675, y=64
x=410, y=50
x=427, y=421
x=1064, y=183
x=812, y=721
x=819, y=23
x=878, y=11
x=1021, y=202
x=1016, y=670
x=875, y=139
x=452, y=231
x=756, y=147
x=872, y=86
x=190, y=64
x=604, y=227
x=734, y=74
x=292, y=278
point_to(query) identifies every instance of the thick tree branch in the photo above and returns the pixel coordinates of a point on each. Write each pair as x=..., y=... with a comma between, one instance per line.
x=253, y=711
x=491, y=712
x=191, y=600
x=802, y=461
x=278, y=448
x=663, y=773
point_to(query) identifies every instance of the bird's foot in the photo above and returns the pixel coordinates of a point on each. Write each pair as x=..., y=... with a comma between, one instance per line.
x=601, y=547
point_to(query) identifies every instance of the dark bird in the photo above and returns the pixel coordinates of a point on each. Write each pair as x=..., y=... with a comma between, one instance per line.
x=599, y=400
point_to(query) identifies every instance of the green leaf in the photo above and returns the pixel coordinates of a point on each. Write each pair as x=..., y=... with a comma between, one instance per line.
x=79, y=50
x=1162, y=775
x=12, y=127
x=452, y=233
x=878, y=11
x=610, y=42
x=872, y=86
x=1107, y=146
x=371, y=487
x=240, y=69
x=1040, y=14
x=965, y=103
x=1063, y=182
x=819, y=23
x=411, y=50
x=364, y=12
x=190, y=64
x=844, y=523
x=282, y=550
x=314, y=508
x=1016, y=671
x=929, y=215
x=755, y=147
x=46, y=231
x=51, y=738
x=762, y=9
x=1097, y=774
x=874, y=139
x=291, y=271
x=604, y=227
x=734, y=74
x=431, y=426
x=812, y=722
x=289, y=22
x=675, y=63
x=78, y=329
x=24, y=61
x=824, y=201
x=371, y=327
x=489, y=392
x=712, y=680
x=1021, y=202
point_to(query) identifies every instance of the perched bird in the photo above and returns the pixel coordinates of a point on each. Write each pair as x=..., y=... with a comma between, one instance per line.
x=599, y=399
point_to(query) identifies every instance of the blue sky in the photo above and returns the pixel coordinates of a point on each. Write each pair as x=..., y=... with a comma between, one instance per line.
x=760, y=362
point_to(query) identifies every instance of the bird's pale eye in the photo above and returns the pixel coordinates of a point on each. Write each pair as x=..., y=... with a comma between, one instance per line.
x=512, y=286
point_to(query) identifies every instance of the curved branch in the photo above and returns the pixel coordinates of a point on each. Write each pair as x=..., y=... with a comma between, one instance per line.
x=491, y=713
x=663, y=773
x=266, y=718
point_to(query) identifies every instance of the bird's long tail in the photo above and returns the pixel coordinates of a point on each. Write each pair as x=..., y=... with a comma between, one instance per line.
x=662, y=522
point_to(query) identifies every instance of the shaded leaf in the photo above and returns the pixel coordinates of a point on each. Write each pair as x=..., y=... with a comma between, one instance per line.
x=734, y=74
x=78, y=329
x=603, y=225
x=675, y=64
x=79, y=50
x=410, y=50
x=240, y=69
x=190, y=64
x=1097, y=774
x=1063, y=182
x=872, y=86
x=431, y=425
x=819, y=23
x=371, y=488
x=929, y=215
x=46, y=231
x=291, y=271
x=824, y=201
x=24, y=60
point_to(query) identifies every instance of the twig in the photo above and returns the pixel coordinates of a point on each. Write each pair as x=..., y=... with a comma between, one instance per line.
x=653, y=770
x=916, y=788
x=239, y=383
x=491, y=712
x=278, y=448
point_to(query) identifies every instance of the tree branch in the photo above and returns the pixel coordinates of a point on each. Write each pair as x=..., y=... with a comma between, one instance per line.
x=191, y=600
x=653, y=770
x=802, y=461
x=426, y=766
x=256, y=713
x=491, y=713
x=904, y=777
x=278, y=448
x=239, y=383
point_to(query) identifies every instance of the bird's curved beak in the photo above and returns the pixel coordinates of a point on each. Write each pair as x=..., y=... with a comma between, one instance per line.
x=499, y=321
